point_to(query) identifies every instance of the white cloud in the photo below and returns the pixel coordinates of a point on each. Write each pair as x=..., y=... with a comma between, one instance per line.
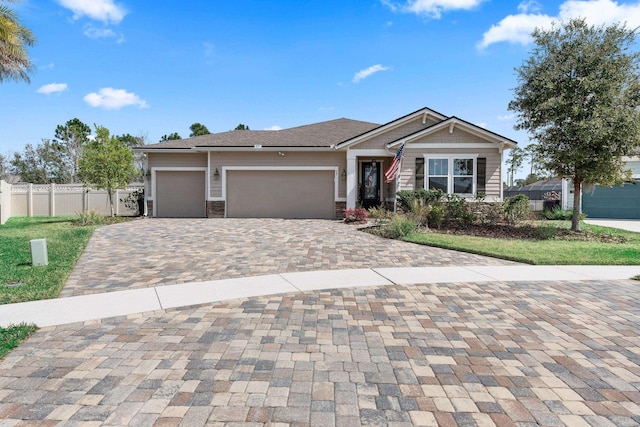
x=507, y=117
x=114, y=99
x=100, y=10
x=529, y=6
x=363, y=74
x=431, y=8
x=274, y=127
x=517, y=28
x=52, y=88
x=101, y=33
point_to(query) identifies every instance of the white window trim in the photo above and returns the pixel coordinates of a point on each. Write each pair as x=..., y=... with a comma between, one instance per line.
x=450, y=176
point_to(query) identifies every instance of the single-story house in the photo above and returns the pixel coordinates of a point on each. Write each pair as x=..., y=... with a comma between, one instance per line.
x=317, y=170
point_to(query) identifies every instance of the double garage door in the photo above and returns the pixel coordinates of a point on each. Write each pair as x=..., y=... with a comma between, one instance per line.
x=249, y=194
x=280, y=194
x=615, y=202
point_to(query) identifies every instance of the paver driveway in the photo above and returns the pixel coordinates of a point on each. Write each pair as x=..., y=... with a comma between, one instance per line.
x=467, y=354
x=153, y=252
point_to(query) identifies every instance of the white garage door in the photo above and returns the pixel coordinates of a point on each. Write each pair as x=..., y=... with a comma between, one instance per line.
x=180, y=194
x=280, y=194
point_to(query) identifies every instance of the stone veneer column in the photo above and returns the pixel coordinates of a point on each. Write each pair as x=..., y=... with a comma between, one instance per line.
x=340, y=206
x=215, y=209
x=149, y=208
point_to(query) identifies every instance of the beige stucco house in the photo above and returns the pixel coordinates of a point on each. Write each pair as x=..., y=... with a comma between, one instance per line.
x=317, y=170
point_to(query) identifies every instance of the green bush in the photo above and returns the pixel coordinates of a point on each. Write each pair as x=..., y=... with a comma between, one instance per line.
x=436, y=216
x=397, y=228
x=380, y=214
x=428, y=196
x=517, y=208
x=419, y=212
x=557, y=213
x=458, y=212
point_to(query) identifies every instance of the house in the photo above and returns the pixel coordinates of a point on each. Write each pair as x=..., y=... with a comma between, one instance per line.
x=620, y=202
x=317, y=170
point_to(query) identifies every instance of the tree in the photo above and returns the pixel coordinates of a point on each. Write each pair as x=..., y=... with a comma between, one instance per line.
x=138, y=158
x=107, y=163
x=40, y=165
x=170, y=137
x=242, y=127
x=198, y=129
x=14, y=38
x=578, y=96
x=70, y=141
x=514, y=162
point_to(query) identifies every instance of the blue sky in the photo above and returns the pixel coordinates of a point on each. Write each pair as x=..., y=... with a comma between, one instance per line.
x=155, y=67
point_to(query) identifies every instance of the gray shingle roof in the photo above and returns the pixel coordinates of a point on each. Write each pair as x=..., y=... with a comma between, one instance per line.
x=323, y=134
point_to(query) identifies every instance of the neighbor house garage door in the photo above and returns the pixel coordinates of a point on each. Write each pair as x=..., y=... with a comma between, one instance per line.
x=180, y=194
x=615, y=202
x=280, y=194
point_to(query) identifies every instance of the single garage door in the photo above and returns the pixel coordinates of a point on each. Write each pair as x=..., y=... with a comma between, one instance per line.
x=180, y=194
x=615, y=202
x=280, y=194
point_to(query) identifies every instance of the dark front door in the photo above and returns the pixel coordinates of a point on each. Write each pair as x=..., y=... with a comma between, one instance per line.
x=370, y=190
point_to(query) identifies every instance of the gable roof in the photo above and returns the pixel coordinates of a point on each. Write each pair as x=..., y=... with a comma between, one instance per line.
x=424, y=112
x=323, y=134
x=451, y=123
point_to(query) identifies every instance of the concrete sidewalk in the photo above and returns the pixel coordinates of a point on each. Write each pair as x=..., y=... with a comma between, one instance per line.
x=121, y=303
x=623, y=224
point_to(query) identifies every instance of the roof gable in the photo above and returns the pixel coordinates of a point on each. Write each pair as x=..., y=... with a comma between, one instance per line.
x=452, y=123
x=423, y=112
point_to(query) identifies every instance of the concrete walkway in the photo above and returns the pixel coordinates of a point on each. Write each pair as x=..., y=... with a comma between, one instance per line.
x=623, y=224
x=122, y=303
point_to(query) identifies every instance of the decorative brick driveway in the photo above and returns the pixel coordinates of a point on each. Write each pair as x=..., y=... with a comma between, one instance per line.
x=153, y=252
x=477, y=354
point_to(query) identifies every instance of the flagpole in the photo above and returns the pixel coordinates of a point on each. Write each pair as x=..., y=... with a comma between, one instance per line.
x=395, y=196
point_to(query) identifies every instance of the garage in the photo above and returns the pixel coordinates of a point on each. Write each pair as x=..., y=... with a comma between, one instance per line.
x=621, y=202
x=180, y=194
x=280, y=194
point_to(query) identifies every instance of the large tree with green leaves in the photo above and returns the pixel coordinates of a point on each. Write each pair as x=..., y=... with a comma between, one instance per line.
x=171, y=137
x=14, y=39
x=70, y=140
x=242, y=126
x=41, y=164
x=138, y=157
x=578, y=95
x=107, y=163
x=198, y=129
x=514, y=162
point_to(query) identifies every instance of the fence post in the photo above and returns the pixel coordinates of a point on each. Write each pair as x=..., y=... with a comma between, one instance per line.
x=52, y=200
x=30, y=200
x=117, y=202
x=5, y=201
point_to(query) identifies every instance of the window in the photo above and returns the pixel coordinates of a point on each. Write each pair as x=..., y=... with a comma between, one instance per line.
x=419, y=173
x=452, y=174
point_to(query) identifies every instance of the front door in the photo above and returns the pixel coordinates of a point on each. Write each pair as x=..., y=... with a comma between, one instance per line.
x=370, y=188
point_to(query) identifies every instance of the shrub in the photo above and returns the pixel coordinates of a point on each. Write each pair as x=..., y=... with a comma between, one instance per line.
x=458, y=212
x=419, y=212
x=355, y=215
x=557, y=213
x=436, y=216
x=91, y=217
x=397, y=228
x=134, y=201
x=516, y=208
x=428, y=196
x=380, y=213
x=488, y=213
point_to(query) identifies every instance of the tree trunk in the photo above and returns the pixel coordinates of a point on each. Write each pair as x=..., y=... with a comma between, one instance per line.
x=111, y=202
x=577, y=202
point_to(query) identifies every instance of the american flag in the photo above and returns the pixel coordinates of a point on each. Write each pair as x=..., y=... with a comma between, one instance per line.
x=391, y=173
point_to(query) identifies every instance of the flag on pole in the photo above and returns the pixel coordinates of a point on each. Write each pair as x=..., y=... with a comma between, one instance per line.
x=392, y=172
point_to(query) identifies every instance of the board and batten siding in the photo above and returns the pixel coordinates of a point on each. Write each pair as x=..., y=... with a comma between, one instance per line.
x=177, y=160
x=273, y=159
x=380, y=141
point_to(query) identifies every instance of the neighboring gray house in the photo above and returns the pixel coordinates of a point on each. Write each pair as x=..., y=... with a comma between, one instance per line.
x=317, y=170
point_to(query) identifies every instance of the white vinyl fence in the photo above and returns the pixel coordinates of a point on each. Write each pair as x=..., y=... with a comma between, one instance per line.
x=59, y=200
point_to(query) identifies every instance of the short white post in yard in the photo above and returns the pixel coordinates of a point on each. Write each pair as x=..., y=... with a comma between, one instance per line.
x=39, y=252
x=52, y=200
x=30, y=200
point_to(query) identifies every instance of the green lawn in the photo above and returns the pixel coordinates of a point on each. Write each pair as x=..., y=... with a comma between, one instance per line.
x=12, y=336
x=542, y=251
x=65, y=243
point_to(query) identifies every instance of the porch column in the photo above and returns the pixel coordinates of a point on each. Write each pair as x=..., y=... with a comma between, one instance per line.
x=352, y=179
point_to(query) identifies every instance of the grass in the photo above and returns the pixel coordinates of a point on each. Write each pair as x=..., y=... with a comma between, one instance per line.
x=12, y=336
x=549, y=252
x=65, y=243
